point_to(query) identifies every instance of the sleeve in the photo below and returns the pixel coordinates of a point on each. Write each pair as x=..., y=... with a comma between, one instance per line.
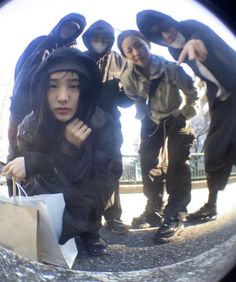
x=31, y=147
x=111, y=94
x=185, y=83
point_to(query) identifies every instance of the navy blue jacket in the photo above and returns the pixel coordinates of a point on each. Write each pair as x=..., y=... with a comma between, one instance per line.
x=221, y=58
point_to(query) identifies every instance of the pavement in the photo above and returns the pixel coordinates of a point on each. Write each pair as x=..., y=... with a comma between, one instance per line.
x=204, y=252
x=133, y=204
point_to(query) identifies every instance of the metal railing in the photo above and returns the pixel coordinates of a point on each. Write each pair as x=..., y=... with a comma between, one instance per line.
x=132, y=171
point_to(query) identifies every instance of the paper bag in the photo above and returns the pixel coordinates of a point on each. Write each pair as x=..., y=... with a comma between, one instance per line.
x=18, y=229
x=50, y=208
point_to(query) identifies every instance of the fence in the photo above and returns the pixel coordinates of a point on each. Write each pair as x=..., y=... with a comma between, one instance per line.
x=132, y=170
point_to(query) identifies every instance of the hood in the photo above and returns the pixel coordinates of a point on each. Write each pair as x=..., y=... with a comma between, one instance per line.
x=65, y=59
x=95, y=27
x=147, y=18
x=74, y=22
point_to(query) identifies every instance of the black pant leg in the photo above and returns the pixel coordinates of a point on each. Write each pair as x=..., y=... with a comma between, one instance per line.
x=178, y=179
x=152, y=139
x=220, y=144
x=115, y=210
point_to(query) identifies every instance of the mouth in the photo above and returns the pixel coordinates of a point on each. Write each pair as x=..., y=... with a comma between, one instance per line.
x=62, y=111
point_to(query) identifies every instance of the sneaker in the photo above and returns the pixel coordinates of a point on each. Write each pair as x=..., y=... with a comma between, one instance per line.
x=116, y=226
x=205, y=213
x=147, y=220
x=169, y=229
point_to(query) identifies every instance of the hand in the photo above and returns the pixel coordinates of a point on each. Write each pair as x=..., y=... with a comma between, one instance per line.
x=77, y=132
x=15, y=169
x=188, y=111
x=194, y=49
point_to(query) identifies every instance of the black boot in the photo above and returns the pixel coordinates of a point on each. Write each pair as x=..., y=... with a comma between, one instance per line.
x=205, y=213
x=93, y=243
x=168, y=230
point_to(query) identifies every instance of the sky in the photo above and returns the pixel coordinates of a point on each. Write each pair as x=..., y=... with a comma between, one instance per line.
x=23, y=20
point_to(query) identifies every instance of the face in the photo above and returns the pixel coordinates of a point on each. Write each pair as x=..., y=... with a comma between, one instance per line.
x=69, y=29
x=165, y=34
x=136, y=50
x=100, y=41
x=63, y=95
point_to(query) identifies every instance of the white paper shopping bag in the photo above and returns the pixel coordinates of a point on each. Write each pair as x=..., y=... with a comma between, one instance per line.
x=51, y=207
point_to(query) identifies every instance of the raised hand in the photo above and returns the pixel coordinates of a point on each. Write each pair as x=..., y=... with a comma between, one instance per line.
x=76, y=132
x=194, y=49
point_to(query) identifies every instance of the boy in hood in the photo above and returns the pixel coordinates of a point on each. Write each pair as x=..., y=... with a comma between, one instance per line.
x=212, y=60
x=99, y=39
x=63, y=34
x=67, y=145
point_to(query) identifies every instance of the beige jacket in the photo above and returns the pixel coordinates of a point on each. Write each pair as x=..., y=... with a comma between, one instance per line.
x=167, y=96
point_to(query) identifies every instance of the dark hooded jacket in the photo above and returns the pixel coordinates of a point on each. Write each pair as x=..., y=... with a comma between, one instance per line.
x=33, y=56
x=96, y=27
x=221, y=58
x=53, y=165
x=111, y=65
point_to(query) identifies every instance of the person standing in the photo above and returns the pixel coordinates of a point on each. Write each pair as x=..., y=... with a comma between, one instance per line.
x=157, y=82
x=99, y=39
x=213, y=61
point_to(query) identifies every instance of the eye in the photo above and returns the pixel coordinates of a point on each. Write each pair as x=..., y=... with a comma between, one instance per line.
x=128, y=51
x=139, y=45
x=74, y=86
x=52, y=85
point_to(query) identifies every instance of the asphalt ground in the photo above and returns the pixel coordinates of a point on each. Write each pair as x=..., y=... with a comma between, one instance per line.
x=136, y=250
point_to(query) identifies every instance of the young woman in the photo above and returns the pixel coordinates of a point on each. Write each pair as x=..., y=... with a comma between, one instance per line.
x=67, y=145
x=155, y=84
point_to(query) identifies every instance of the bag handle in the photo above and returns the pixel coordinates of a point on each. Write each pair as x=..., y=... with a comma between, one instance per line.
x=16, y=185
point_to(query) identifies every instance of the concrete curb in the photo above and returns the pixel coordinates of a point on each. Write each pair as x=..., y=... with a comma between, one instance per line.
x=138, y=188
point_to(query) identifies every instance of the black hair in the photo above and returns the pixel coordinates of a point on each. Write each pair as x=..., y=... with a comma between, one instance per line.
x=127, y=33
x=47, y=124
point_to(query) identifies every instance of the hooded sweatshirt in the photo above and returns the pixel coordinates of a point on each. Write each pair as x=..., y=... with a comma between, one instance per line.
x=111, y=65
x=221, y=58
x=33, y=56
x=41, y=139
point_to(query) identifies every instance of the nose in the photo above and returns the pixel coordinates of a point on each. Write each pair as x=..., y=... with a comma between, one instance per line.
x=135, y=52
x=166, y=37
x=63, y=96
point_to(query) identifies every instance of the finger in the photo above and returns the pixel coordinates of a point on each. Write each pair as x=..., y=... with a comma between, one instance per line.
x=72, y=123
x=86, y=133
x=82, y=134
x=202, y=54
x=182, y=56
x=192, y=53
x=78, y=129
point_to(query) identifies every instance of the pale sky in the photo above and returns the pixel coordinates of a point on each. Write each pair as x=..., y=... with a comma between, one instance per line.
x=23, y=20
